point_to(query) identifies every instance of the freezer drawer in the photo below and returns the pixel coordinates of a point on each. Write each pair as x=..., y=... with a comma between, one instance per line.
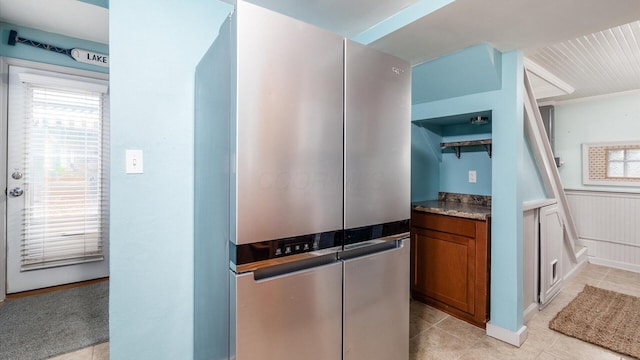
x=295, y=315
x=376, y=305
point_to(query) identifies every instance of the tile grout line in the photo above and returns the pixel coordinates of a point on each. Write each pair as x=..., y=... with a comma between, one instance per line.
x=470, y=348
x=422, y=331
x=429, y=327
x=457, y=336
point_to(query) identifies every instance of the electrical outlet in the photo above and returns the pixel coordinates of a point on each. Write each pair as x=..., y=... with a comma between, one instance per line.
x=472, y=176
x=134, y=162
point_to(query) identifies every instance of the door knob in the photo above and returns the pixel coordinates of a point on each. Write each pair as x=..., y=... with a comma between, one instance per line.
x=15, y=192
x=17, y=175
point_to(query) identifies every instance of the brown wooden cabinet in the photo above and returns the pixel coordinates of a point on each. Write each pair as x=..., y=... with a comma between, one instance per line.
x=450, y=265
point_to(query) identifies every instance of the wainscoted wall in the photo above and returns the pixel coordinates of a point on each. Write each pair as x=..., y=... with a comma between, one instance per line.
x=608, y=225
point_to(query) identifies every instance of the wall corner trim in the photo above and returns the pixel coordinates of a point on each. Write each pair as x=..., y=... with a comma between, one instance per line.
x=513, y=338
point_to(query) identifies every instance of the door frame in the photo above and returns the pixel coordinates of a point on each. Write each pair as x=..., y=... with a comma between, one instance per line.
x=5, y=62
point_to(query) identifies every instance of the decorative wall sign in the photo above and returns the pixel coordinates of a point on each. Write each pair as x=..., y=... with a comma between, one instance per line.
x=79, y=55
x=90, y=57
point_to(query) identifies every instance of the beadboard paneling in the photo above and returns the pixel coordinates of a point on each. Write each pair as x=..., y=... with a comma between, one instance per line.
x=609, y=226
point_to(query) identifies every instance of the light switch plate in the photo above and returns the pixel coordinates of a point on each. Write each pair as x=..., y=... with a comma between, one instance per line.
x=472, y=176
x=134, y=162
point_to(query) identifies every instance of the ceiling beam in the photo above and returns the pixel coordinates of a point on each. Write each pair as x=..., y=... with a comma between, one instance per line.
x=399, y=20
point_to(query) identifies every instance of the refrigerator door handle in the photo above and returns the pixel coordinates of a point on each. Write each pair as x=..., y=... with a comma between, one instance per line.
x=372, y=247
x=289, y=268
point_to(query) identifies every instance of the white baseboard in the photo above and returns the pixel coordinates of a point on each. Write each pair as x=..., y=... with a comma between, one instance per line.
x=614, y=264
x=508, y=336
x=582, y=258
x=529, y=312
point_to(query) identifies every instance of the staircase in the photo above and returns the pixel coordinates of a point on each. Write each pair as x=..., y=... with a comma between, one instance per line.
x=541, y=148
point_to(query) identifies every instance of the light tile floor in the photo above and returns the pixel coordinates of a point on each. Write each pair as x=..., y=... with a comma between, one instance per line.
x=436, y=335
x=95, y=352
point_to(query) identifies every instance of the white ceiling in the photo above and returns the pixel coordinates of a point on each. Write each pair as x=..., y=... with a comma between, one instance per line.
x=67, y=17
x=345, y=17
x=554, y=34
x=505, y=24
x=604, y=62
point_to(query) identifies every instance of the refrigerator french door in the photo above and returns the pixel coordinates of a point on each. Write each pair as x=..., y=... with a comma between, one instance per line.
x=376, y=205
x=302, y=146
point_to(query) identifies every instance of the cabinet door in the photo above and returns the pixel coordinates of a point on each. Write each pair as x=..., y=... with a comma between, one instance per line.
x=444, y=268
x=551, y=245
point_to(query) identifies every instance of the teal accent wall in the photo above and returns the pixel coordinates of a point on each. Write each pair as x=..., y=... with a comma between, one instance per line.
x=155, y=47
x=26, y=52
x=507, y=168
x=615, y=118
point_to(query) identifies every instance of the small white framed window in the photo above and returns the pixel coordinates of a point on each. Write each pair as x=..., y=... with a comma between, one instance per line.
x=623, y=163
x=613, y=163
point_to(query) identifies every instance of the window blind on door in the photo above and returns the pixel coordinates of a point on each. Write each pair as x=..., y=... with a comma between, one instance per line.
x=65, y=173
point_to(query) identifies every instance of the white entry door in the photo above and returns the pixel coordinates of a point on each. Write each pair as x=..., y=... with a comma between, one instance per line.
x=57, y=179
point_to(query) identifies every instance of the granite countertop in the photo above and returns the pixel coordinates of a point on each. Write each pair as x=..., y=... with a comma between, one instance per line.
x=459, y=205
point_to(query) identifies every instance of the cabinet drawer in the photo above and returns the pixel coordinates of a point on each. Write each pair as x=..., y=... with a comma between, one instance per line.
x=443, y=223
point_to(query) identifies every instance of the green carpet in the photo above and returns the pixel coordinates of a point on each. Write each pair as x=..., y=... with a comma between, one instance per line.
x=41, y=326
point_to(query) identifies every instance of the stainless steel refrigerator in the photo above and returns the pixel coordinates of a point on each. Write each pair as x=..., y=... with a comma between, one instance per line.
x=302, y=195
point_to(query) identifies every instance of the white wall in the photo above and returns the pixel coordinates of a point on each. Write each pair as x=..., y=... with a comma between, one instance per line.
x=614, y=118
x=608, y=226
x=606, y=216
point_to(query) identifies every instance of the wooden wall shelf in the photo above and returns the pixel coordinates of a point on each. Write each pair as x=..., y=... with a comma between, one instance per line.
x=457, y=146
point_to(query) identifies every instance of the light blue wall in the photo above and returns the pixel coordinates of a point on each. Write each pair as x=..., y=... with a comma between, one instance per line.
x=26, y=52
x=454, y=173
x=506, y=220
x=213, y=144
x=476, y=69
x=401, y=19
x=507, y=169
x=101, y=3
x=435, y=170
x=532, y=185
x=155, y=47
x=425, y=157
x=469, y=71
x=614, y=118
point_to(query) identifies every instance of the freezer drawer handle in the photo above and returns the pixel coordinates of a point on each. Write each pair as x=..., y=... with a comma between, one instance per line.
x=293, y=267
x=372, y=249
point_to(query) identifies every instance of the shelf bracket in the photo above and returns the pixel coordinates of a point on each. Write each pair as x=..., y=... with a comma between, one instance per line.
x=457, y=150
x=486, y=147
